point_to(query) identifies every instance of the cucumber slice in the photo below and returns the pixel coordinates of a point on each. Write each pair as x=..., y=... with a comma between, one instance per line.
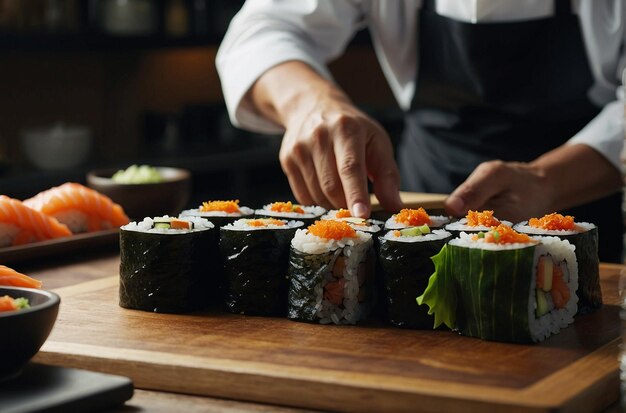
x=542, y=303
x=548, y=271
x=411, y=232
x=425, y=229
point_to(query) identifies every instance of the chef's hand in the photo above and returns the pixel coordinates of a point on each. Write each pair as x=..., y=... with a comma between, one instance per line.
x=505, y=187
x=567, y=176
x=330, y=149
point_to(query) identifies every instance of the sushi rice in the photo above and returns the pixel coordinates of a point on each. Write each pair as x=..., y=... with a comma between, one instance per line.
x=527, y=229
x=310, y=212
x=435, y=235
x=360, y=224
x=461, y=225
x=243, y=211
x=437, y=221
x=147, y=225
x=243, y=224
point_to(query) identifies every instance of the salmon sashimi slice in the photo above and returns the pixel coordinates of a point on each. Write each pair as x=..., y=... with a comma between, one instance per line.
x=100, y=211
x=10, y=277
x=34, y=225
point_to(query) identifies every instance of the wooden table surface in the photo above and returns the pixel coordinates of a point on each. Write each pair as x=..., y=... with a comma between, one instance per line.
x=70, y=271
x=56, y=273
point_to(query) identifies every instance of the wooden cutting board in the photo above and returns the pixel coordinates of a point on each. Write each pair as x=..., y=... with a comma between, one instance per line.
x=415, y=200
x=372, y=367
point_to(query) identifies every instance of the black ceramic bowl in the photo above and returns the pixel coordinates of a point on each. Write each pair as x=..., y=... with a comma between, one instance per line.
x=24, y=331
x=146, y=200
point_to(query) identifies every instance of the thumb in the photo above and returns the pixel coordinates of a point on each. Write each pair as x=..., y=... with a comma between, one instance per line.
x=488, y=180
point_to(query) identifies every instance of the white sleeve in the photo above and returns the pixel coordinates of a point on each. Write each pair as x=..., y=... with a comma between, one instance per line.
x=604, y=29
x=266, y=33
x=605, y=133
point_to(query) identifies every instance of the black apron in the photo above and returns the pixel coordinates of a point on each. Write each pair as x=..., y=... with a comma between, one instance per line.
x=509, y=91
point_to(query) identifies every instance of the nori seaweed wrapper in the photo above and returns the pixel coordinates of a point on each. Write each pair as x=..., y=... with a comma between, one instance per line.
x=255, y=270
x=406, y=268
x=168, y=273
x=220, y=221
x=306, y=271
x=470, y=285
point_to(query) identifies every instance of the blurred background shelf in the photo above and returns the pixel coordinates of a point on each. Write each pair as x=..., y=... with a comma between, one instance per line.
x=89, y=43
x=251, y=171
x=140, y=77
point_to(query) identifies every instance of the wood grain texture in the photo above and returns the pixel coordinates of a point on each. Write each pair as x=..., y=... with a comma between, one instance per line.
x=372, y=367
x=416, y=200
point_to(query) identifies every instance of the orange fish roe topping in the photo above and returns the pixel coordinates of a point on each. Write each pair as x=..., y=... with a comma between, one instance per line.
x=343, y=213
x=484, y=219
x=332, y=229
x=503, y=234
x=222, y=206
x=553, y=222
x=413, y=217
x=264, y=222
x=286, y=207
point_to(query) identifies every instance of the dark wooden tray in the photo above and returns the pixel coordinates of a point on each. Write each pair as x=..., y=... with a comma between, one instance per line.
x=60, y=246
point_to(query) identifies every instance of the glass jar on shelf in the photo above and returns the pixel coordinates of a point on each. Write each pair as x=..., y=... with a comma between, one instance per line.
x=128, y=17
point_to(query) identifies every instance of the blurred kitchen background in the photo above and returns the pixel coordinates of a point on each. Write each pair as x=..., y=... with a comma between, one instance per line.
x=108, y=83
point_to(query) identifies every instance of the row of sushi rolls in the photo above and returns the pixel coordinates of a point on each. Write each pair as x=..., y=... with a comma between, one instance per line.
x=478, y=276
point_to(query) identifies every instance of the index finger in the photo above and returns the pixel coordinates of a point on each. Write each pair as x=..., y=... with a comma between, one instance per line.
x=350, y=157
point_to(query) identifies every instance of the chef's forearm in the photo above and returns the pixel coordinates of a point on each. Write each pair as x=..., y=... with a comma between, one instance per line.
x=576, y=174
x=287, y=88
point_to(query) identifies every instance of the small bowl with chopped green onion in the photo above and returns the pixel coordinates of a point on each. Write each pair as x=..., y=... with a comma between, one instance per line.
x=144, y=190
x=25, y=326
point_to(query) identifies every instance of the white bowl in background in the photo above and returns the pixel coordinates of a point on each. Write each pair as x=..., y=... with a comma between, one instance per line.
x=56, y=147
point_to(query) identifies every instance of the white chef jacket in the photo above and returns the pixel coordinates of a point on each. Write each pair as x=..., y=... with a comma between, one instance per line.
x=266, y=33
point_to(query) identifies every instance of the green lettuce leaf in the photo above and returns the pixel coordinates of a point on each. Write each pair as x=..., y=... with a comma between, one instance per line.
x=440, y=294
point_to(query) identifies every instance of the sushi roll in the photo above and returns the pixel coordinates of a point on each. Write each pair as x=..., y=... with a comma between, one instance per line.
x=20, y=224
x=166, y=265
x=331, y=271
x=219, y=213
x=475, y=221
x=584, y=236
x=371, y=226
x=504, y=286
x=404, y=257
x=255, y=257
x=80, y=208
x=414, y=218
x=287, y=210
